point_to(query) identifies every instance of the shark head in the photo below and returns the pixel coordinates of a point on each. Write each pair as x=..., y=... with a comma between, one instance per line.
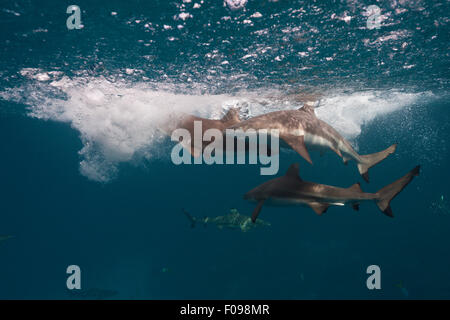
x=266, y=190
x=256, y=194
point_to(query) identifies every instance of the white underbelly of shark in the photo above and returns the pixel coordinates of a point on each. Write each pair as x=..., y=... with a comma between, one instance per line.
x=299, y=202
x=316, y=142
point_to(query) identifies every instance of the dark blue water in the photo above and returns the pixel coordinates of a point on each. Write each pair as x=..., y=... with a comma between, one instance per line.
x=86, y=177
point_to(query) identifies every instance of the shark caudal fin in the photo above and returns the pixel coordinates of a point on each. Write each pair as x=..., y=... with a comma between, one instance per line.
x=390, y=191
x=191, y=218
x=369, y=160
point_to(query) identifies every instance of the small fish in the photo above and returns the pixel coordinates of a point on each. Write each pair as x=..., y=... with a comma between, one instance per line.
x=232, y=220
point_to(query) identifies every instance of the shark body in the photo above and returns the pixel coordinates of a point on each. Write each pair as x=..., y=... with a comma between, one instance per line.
x=187, y=121
x=290, y=189
x=301, y=128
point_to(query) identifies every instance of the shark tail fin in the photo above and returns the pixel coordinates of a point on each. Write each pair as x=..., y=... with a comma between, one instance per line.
x=369, y=160
x=390, y=191
x=191, y=218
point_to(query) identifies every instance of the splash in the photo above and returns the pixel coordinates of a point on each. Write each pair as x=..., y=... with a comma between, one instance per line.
x=120, y=122
x=349, y=112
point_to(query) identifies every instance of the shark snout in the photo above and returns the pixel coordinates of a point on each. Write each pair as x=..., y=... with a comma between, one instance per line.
x=251, y=196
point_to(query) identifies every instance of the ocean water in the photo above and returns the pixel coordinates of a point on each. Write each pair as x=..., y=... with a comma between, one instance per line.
x=86, y=177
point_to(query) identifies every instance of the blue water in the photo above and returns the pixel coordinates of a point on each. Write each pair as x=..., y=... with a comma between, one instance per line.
x=86, y=177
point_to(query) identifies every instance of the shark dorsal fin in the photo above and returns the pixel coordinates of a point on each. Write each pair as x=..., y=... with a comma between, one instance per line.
x=308, y=108
x=356, y=187
x=232, y=116
x=292, y=172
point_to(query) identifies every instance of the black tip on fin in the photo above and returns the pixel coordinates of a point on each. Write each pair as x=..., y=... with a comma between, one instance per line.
x=257, y=210
x=355, y=206
x=365, y=176
x=416, y=171
x=388, y=212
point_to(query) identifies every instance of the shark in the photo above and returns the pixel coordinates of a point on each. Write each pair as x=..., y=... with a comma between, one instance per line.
x=301, y=129
x=232, y=220
x=187, y=121
x=291, y=189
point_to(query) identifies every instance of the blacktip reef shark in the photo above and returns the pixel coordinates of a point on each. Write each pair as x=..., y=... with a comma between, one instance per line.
x=301, y=128
x=187, y=121
x=290, y=189
x=232, y=220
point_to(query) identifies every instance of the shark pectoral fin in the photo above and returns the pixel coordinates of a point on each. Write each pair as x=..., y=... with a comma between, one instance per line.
x=298, y=144
x=257, y=210
x=355, y=206
x=318, y=208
